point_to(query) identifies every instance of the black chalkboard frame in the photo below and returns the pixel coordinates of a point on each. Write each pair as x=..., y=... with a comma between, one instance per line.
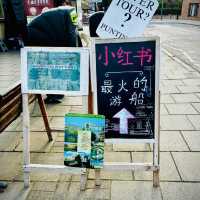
x=156, y=39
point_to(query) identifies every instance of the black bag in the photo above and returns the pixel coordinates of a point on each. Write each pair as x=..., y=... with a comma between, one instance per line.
x=53, y=28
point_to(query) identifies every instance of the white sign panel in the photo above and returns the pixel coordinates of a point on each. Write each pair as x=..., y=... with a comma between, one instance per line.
x=50, y=70
x=126, y=18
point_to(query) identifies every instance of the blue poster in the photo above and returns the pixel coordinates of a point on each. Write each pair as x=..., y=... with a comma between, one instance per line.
x=84, y=140
x=57, y=71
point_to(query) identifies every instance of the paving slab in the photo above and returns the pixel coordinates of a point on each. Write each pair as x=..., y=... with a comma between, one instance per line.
x=57, y=123
x=195, y=119
x=44, y=186
x=172, y=82
x=40, y=195
x=38, y=142
x=116, y=175
x=57, y=110
x=175, y=122
x=9, y=140
x=13, y=126
x=59, y=144
x=193, y=139
x=188, y=164
x=163, y=76
x=176, y=75
x=189, y=89
x=104, y=184
x=172, y=141
x=77, y=109
x=56, y=149
x=168, y=170
x=166, y=98
x=163, y=110
x=191, y=75
x=36, y=124
x=72, y=101
x=117, y=157
x=131, y=147
x=72, y=192
x=185, y=98
x=180, y=191
x=196, y=106
x=134, y=190
x=11, y=165
x=61, y=191
x=36, y=112
x=46, y=158
x=192, y=82
x=198, y=94
x=169, y=89
x=60, y=137
x=43, y=158
x=15, y=191
x=181, y=109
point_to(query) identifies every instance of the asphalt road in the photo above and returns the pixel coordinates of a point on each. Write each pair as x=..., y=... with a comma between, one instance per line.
x=181, y=40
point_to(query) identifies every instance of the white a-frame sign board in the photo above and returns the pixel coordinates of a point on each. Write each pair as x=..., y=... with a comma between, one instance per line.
x=51, y=71
x=125, y=82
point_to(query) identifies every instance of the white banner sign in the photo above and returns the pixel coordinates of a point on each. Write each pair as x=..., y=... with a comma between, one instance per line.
x=126, y=18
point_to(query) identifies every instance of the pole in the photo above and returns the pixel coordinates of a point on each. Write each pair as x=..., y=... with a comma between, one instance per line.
x=161, y=9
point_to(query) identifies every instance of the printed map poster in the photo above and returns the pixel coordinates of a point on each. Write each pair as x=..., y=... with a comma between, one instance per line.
x=126, y=83
x=84, y=140
x=55, y=70
x=126, y=18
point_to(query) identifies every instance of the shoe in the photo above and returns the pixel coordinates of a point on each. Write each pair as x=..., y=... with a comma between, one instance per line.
x=52, y=101
x=3, y=186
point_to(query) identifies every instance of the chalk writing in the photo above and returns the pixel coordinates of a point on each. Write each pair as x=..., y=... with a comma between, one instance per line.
x=122, y=86
x=123, y=57
x=137, y=99
x=144, y=55
x=107, y=87
x=125, y=87
x=115, y=101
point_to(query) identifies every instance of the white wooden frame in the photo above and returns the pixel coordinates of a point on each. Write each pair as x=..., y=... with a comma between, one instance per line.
x=27, y=165
x=155, y=141
x=84, y=68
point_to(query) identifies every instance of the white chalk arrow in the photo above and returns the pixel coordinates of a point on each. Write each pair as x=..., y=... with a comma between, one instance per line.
x=123, y=116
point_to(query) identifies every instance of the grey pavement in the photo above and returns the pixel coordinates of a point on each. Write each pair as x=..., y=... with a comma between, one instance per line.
x=175, y=21
x=9, y=70
x=179, y=145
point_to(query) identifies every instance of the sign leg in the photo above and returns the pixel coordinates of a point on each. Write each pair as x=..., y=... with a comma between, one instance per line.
x=156, y=179
x=26, y=179
x=26, y=138
x=97, y=177
x=156, y=150
x=83, y=180
x=85, y=104
x=45, y=116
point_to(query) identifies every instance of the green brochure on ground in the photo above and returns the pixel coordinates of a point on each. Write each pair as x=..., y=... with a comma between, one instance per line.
x=84, y=140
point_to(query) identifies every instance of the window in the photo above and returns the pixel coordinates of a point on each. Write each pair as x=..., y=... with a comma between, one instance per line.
x=193, y=9
x=1, y=10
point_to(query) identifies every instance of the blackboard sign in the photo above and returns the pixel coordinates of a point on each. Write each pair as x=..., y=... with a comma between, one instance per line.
x=126, y=86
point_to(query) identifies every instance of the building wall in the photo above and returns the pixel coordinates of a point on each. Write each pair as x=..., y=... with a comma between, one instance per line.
x=185, y=9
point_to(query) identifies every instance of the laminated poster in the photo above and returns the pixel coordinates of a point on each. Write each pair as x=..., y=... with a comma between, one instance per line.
x=84, y=140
